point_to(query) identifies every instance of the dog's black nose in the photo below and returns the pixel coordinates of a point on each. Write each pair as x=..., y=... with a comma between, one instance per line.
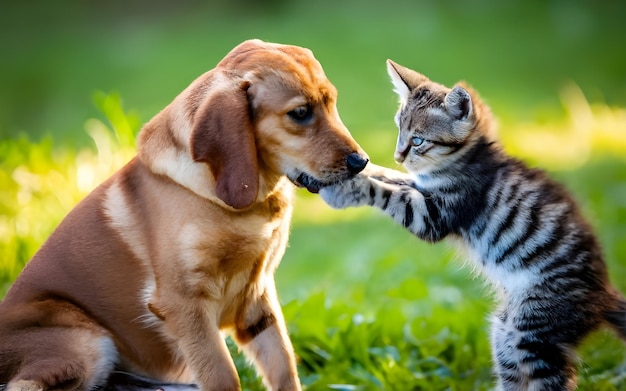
x=355, y=163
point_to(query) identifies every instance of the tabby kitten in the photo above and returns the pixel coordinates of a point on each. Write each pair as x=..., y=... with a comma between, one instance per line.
x=523, y=230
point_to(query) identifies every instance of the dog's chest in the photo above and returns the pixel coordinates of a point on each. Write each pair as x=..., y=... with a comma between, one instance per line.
x=222, y=253
x=234, y=263
x=198, y=251
x=234, y=248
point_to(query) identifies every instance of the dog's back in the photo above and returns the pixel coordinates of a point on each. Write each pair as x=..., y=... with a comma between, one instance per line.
x=43, y=323
x=83, y=289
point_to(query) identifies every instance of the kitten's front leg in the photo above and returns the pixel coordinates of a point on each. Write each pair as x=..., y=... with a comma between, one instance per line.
x=389, y=176
x=361, y=190
x=395, y=194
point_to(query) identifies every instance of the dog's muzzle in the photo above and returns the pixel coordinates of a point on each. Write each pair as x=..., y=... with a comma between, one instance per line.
x=310, y=183
x=355, y=163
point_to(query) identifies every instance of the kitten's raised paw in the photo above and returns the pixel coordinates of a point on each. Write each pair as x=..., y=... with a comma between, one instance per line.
x=333, y=196
x=345, y=194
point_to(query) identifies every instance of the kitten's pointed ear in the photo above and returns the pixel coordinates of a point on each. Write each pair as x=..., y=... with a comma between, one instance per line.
x=458, y=102
x=404, y=80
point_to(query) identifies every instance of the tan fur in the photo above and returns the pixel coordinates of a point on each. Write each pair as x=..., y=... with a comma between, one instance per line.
x=182, y=243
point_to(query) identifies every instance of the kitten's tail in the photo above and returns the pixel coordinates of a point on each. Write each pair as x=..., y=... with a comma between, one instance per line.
x=617, y=316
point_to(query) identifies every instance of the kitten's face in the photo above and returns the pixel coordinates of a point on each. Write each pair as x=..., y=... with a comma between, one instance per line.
x=434, y=121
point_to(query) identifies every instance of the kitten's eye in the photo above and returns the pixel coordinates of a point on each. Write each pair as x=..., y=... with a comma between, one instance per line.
x=417, y=141
x=301, y=114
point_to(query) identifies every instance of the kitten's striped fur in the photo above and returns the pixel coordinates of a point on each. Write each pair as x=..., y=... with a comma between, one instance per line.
x=521, y=228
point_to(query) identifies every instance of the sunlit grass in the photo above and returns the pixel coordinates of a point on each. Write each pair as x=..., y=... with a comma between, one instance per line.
x=42, y=182
x=568, y=143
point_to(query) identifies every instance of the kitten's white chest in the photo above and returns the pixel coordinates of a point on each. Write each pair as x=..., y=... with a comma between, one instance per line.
x=503, y=276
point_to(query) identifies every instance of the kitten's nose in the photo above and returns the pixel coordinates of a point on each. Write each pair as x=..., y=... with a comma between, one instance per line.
x=356, y=163
x=402, y=149
x=399, y=156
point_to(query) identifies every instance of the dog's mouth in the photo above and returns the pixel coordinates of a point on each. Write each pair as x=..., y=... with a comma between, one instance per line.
x=311, y=184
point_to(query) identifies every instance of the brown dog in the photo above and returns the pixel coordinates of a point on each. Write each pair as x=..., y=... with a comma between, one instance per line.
x=183, y=241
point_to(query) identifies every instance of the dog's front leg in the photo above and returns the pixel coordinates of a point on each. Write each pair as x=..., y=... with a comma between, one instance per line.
x=262, y=335
x=195, y=327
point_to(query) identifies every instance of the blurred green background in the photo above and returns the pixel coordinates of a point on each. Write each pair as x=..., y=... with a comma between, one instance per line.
x=368, y=305
x=518, y=53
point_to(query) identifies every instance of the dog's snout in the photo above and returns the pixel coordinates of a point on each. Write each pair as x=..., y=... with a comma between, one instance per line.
x=356, y=163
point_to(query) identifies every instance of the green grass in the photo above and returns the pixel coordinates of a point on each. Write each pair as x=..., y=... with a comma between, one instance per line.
x=368, y=305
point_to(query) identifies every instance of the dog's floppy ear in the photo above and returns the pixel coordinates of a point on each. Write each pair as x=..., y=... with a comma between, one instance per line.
x=222, y=136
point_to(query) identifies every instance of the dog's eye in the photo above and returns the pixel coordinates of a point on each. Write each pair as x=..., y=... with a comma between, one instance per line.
x=301, y=114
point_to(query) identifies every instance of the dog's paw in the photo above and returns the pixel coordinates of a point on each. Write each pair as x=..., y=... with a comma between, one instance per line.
x=349, y=193
x=24, y=385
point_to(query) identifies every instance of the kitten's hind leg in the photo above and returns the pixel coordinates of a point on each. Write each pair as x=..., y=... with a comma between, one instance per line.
x=525, y=361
